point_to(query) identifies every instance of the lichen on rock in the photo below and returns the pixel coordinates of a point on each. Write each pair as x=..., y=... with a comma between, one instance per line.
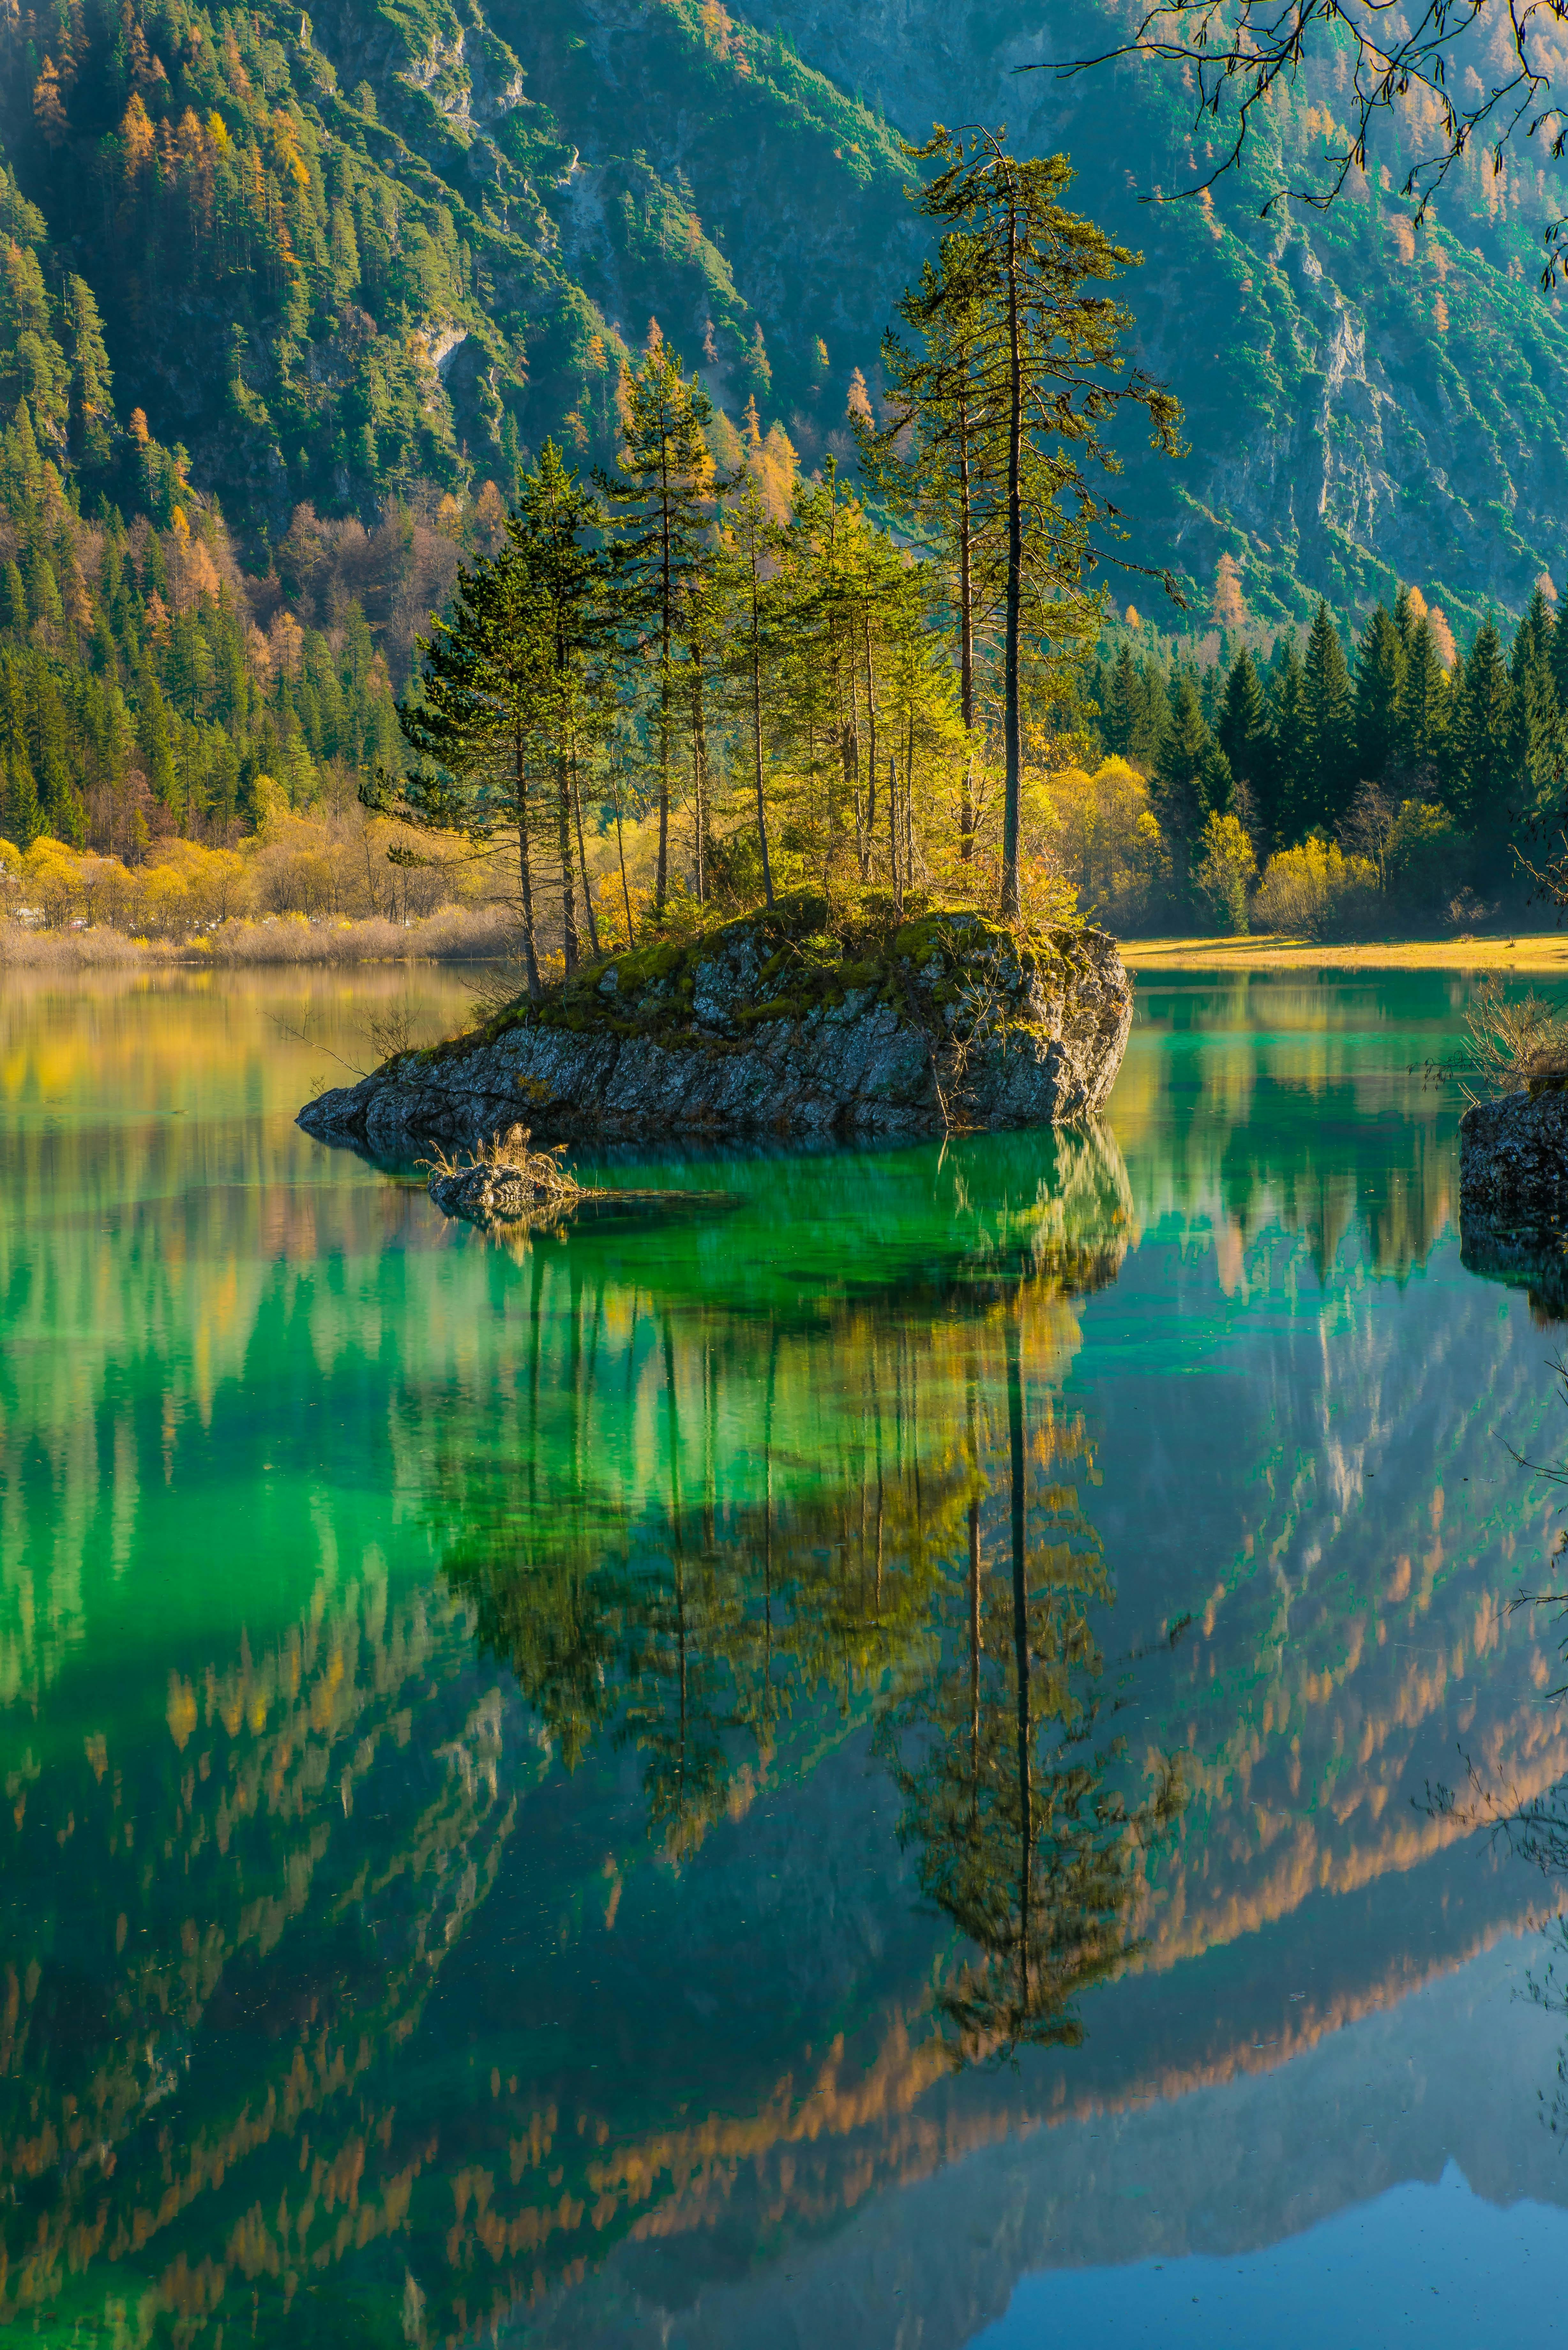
x=802, y=1020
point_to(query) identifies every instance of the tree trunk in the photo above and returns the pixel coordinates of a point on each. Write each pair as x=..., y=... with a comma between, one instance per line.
x=564, y=842
x=852, y=769
x=757, y=736
x=624, y=892
x=1010, y=898
x=966, y=818
x=583, y=860
x=893, y=834
x=524, y=879
x=699, y=776
x=871, y=748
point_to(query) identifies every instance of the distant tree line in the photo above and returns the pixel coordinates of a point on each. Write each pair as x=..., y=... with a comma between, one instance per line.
x=1435, y=767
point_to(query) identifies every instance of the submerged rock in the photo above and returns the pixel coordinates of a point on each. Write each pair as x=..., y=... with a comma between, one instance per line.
x=767, y=1025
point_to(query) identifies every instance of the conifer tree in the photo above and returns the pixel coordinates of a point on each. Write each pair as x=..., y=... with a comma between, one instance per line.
x=548, y=536
x=1379, y=681
x=1538, y=745
x=499, y=699
x=1184, y=774
x=1330, y=747
x=1242, y=725
x=1122, y=705
x=928, y=461
x=661, y=499
x=1420, y=741
x=1048, y=371
x=1290, y=779
x=1483, y=739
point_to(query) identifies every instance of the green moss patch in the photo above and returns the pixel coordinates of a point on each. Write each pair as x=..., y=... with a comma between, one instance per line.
x=803, y=956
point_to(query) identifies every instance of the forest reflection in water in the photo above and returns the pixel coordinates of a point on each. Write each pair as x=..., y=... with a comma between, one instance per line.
x=933, y=1551
x=460, y=1707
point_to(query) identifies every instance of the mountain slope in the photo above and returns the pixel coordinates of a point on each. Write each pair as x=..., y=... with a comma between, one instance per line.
x=384, y=252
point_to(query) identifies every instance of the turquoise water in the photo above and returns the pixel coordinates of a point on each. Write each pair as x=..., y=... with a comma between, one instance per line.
x=864, y=1757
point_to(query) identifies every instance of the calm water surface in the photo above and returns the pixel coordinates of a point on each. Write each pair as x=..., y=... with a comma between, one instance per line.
x=855, y=1766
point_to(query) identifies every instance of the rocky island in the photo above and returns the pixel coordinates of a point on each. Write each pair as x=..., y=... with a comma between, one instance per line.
x=773, y=1025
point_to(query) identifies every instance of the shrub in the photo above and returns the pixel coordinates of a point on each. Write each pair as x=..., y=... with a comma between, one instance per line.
x=1226, y=870
x=1427, y=855
x=1316, y=892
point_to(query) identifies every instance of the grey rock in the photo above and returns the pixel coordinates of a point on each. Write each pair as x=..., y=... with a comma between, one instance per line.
x=1513, y=1159
x=1513, y=1195
x=1005, y=1037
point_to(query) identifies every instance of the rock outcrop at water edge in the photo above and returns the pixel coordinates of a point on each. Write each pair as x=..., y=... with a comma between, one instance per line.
x=773, y=1025
x=1514, y=1193
x=1513, y=1159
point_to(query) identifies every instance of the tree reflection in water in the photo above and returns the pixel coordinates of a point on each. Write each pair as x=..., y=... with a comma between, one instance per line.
x=1021, y=1842
x=931, y=1559
x=1532, y=1829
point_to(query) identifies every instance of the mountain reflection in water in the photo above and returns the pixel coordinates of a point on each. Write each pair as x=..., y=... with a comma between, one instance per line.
x=539, y=1780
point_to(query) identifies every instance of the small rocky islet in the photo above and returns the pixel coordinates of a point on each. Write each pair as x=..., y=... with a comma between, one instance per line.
x=770, y=1025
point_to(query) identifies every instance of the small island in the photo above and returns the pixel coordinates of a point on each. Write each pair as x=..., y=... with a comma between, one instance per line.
x=800, y=1022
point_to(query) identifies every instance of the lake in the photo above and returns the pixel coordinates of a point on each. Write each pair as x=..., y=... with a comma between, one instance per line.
x=938, y=1749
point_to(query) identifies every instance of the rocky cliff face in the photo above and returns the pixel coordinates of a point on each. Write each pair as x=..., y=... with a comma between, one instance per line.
x=770, y=1025
x=485, y=206
x=1361, y=398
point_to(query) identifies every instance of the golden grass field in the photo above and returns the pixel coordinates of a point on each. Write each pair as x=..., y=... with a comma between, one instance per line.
x=1540, y=951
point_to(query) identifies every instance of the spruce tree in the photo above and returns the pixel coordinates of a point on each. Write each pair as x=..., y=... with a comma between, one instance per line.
x=746, y=544
x=1242, y=726
x=1422, y=716
x=1288, y=812
x=1122, y=707
x=1183, y=772
x=1483, y=741
x=1538, y=745
x=548, y=536
x=1559, y=657
x=1330, y=747
x=929, y=461
x=1379, y=681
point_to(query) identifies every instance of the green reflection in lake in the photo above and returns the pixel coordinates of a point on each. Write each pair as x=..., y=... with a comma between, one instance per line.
x=538, y=1777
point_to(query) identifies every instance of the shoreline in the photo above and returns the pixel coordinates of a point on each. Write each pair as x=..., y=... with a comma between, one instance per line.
x=1542, y=952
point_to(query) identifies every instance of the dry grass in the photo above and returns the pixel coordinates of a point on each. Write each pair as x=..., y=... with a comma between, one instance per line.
x=1510, y=1043
x=453, y=934
x=541, y=1169
x=1540, y=951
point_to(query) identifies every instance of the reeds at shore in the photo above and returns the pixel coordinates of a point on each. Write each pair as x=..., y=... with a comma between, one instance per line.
x=451, y=934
